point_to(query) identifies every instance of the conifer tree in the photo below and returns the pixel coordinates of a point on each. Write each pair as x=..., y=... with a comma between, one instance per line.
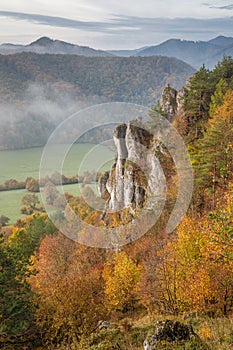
x=224, y=70
x=213, y=161
x=197, y=101
x=218, y=96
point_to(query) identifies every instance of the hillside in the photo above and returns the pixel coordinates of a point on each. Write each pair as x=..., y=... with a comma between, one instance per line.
x=127, y=53
x=195, y=53
x=222, y=41
x=46, y=45
x=136, y=79
x=38, y=91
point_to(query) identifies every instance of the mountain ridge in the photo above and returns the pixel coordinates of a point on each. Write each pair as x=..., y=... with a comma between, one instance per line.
x=46, y=45
x=222, y=41
x=195, y=53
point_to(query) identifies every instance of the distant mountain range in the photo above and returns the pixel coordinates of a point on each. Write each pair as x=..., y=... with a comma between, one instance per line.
x=46, y=45
x=127, y=53
x=195, y=53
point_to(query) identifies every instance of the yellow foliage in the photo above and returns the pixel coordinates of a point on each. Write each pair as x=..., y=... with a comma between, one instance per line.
x=205, y=331
x=122, y=278
x=196, y=269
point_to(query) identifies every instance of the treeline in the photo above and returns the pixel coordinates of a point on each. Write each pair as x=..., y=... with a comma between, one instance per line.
x=205, y=122
x=61, y=289
x=33, y=185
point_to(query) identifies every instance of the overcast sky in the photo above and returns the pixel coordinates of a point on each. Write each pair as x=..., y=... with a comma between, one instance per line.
x=110, y=24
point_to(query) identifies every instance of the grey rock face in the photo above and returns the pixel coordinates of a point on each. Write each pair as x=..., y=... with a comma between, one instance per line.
x=179, y=100
x=169, y=102
x=136, y=173
x=172, y=102
x=102, y=186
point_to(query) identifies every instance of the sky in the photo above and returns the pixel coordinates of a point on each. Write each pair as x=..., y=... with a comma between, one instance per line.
x=114, y=24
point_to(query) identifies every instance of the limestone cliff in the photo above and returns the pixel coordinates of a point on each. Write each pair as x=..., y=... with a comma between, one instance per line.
x=136, y=174
x=172, y=102
x=180, y=101
x=169, y=102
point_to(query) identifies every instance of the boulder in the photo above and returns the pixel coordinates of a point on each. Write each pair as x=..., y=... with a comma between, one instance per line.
x=170, y=331
x=104, y=325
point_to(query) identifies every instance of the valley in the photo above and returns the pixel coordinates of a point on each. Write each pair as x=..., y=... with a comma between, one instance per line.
x=148, y=264
x=20, y=164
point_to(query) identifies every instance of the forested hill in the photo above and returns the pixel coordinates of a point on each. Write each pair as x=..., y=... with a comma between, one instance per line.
x=37, y=91
x=134, y=79
x=195, y=53
x=46, y=45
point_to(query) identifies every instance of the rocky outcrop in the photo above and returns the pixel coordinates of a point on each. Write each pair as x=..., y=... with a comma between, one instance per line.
x=170, y=331
x=136, y=173
x=104, y=325
x=103, y=186
x=172, y=102
x=169, y=102
x=180, y=101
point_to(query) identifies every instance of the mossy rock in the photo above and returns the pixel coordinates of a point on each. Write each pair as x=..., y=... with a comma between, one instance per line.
x=173, y=335
x=117, y=339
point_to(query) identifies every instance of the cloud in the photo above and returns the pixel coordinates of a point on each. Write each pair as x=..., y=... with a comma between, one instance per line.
x=60, y=21
x=128, y=31
x=225, y=7
x=177, y=25
x=125, y=23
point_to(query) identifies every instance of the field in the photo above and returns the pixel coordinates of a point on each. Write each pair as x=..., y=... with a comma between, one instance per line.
x=21, y=164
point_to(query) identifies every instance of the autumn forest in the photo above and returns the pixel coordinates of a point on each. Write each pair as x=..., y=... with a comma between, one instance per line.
x=58, y=294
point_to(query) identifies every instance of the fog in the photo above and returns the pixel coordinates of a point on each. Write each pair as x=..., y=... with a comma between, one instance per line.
x=28, y=122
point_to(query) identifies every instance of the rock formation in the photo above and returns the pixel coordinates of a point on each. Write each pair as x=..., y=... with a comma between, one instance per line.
x=170, y=331
x=171, y=102
x=136, y=174
x=179, y=101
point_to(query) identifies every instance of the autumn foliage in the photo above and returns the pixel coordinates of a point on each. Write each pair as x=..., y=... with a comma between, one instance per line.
x=54, y=291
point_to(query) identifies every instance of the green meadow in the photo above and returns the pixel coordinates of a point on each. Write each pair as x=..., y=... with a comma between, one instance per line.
x=20, y=164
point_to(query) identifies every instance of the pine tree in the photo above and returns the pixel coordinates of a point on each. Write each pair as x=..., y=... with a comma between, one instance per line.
x=218, y=97
x=197, y=101
x=224, y=70
x=213, y=161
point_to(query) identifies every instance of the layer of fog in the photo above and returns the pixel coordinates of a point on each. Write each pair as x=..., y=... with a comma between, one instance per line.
x=29, y=121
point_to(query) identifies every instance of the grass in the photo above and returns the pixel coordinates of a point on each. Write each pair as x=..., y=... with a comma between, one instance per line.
x=213, y=334
x=218, y=333
x=21, y=164
x=10, y=204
